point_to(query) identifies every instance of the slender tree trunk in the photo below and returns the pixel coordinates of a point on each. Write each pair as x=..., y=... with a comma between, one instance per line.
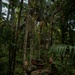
x=25, y=44
x=14, y=40
x=12, y=56
x=41, y=41
x=31, y=50
x=49, y=41
x=12, y=51
x=10, y=60
x=11, y=48
x=25, y=39
x=32, y=38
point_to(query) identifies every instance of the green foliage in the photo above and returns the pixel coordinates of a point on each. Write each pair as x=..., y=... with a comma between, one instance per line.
x=63, y=56
x=57, y=28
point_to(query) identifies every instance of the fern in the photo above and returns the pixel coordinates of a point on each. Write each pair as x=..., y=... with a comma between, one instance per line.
x=68, y=53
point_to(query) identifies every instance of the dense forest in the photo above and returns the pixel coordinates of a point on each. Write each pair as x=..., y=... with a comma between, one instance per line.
x=37, y=37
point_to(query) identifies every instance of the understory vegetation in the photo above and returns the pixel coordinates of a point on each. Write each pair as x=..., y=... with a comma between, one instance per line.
x=37, y=29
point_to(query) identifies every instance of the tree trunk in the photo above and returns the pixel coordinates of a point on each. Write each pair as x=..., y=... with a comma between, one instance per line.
x=32, y=27
x=49, y=41
x=31, y=50
x=10, y=60
x=12, y=51
x=40, y=40
x=25, y=44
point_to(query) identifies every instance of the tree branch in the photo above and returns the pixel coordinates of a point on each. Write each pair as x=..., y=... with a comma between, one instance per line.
x=56, y=11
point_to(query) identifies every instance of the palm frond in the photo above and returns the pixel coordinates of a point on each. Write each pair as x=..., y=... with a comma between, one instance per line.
x=62, y=50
